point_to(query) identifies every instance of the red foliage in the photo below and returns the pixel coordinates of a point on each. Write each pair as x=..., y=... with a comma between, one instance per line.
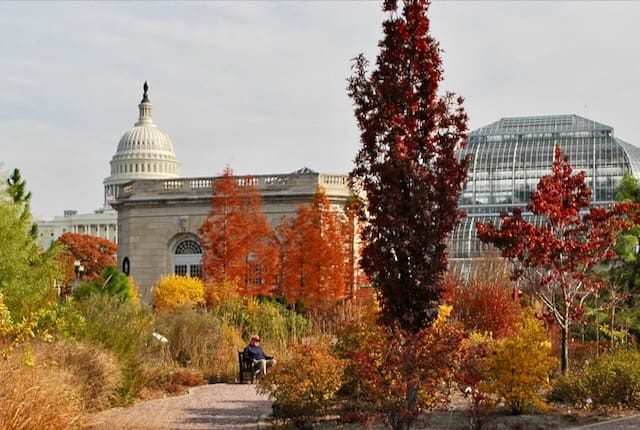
x=556, y=257
x=314, y=255
x=485, y=304
x=403, y=374
x=407, y=170
x=238, y=243
x=94, y=253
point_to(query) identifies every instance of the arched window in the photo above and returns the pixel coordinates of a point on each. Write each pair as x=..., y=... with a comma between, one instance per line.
x=187, y=258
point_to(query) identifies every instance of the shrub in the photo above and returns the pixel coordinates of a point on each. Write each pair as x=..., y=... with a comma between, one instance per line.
x=609, y=380
x=274, y=323
x=202, y=341
x=352, y=335
x=120, y=327
x=187, y=377
x=402, y=374
x=123, y=329
x=174, y=290
x=217, y=294
x=485, y=303
x=518, y=367
x=95, y=371
x=470, y=375
x=37, y=394
x=304, y=383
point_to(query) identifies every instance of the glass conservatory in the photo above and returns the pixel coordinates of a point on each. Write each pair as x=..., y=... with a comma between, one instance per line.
x=508, y=157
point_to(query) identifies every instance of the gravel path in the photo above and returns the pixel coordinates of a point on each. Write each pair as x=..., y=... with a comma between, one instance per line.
x=217, y=406
x=627, y=423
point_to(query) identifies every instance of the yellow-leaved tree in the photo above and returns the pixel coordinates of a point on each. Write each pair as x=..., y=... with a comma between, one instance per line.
x=174, y=290
x=517, y=368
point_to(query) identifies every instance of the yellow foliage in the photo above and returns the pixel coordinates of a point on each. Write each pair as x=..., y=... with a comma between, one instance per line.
x=517, y=368
x=134, y=292
x=173, y=291
x=304, y=383
x=444, y=312
x=218, y=293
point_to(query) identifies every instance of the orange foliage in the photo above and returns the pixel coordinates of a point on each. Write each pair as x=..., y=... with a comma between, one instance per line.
x=238, y=243
x=314, y=255
x=94, y=253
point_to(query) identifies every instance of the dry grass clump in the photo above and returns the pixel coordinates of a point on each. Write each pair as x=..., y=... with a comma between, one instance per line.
x=95, y=370
x=200, y=340
x=37, y=394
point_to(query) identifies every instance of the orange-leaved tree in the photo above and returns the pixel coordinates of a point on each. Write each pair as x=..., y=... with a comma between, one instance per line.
x=314, y=255
x=239, y=244
x=94, y=254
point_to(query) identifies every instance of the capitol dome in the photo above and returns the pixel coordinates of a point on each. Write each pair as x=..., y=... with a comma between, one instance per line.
x=144, y=152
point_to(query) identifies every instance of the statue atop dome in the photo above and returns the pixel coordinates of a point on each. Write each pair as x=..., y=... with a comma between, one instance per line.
x=145, y=87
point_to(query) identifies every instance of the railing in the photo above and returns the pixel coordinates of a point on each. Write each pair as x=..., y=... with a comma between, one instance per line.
x=261, y=182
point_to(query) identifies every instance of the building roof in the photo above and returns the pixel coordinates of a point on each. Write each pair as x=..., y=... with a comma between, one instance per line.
x=561, y=124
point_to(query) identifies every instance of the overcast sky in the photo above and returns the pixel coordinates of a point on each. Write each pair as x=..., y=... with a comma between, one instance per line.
x=260, y=85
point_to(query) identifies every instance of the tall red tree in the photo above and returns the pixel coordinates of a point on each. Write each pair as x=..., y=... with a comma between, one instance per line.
x=406, y=169
x=556, y=256
x=94, y=253
x=314, y=255
x=238, y=243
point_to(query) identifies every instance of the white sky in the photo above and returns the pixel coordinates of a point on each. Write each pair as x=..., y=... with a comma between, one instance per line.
x=260, y=85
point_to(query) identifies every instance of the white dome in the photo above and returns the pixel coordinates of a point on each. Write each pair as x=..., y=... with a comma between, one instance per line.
x=144, y=152
x=145, y=138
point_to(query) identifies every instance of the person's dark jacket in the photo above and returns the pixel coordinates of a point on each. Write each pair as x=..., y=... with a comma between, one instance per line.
x=253, y=352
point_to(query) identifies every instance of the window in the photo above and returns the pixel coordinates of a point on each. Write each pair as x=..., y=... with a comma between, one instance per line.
x=187, y=258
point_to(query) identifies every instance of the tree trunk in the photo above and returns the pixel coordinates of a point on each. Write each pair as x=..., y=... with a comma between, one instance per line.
x=565, y=349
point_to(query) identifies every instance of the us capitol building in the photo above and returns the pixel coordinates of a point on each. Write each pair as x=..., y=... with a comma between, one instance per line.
x=154, y=215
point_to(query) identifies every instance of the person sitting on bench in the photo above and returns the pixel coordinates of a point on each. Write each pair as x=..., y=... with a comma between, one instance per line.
x=255, y=353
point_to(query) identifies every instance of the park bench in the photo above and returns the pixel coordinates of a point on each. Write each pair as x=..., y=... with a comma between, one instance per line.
x=247, y=371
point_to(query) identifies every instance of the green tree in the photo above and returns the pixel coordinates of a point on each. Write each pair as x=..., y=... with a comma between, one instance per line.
x=621, y=297
x=18, y=192
x=110, y=283
x=27, y=274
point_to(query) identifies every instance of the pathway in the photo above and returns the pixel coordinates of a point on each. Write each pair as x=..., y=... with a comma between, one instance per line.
x=216, y=406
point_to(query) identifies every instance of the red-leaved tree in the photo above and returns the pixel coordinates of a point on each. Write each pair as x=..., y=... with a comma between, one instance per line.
x=237, y=241
x=406, y=170
x=314, y=255
x=555, y=257
x=94, y=254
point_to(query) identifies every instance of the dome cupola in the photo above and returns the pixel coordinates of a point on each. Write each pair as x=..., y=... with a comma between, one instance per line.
x=144, y=152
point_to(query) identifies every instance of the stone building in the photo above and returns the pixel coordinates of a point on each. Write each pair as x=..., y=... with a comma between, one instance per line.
x=159, y=213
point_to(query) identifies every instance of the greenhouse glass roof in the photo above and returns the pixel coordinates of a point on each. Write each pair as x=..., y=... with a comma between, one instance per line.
x=509, y=156
x=559, y=125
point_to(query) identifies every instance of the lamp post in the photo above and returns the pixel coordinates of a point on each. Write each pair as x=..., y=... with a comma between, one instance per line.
x=79, y=269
